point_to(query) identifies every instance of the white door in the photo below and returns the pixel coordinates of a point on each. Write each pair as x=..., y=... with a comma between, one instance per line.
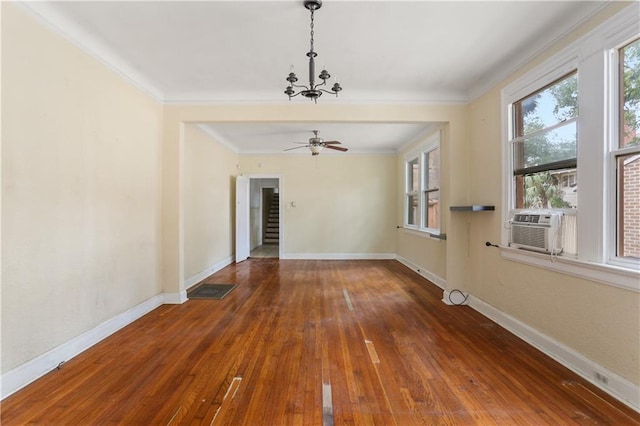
x=242, y=218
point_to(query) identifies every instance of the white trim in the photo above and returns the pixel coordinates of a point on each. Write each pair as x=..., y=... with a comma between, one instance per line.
x=419, y=152
x=618, y=387
x=47, y=15
x=283, y=213
x=208, y=271
x=339, y=256
x=432, y=234
x=602, y=273
x=446, y=298
x=174, y=298
x=21, y=376
x=423, y=272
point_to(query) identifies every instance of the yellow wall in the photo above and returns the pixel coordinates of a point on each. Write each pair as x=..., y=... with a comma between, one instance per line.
x=343, y=203
x=209, y=171
x=80, y=191
x=420, y=249
x=599, y=321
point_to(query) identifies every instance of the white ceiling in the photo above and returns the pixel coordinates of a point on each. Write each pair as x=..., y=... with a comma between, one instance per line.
x=380, y=51
x=359, y=138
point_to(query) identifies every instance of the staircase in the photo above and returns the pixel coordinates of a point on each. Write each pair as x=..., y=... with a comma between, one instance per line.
x=272, y=230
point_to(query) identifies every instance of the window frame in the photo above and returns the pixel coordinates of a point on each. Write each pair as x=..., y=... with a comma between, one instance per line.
x=614, y=151
x=430, y=144
x=427, y=189
x=517, y=135
x=410, y=192
x=597, y=125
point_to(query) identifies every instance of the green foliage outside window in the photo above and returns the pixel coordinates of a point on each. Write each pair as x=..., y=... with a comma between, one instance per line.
x=631, y=92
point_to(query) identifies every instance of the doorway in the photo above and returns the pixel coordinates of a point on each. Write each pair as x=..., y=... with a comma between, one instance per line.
x=261, y=226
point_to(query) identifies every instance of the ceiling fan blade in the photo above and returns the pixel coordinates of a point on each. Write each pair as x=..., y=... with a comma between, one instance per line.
x=332, y=142
x=337, y=148
x=296, y=147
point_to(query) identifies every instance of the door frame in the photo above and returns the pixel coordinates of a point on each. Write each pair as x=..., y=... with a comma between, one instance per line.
x=243, y=219
x=282, y=212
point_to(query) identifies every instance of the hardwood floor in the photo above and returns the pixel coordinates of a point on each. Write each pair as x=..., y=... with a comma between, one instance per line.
x=303, y=342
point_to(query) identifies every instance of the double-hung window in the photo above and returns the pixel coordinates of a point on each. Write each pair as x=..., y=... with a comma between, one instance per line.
x=544, y=147
x=422, y=187
x=412, y=195
x=625, y=154
x=573, y=121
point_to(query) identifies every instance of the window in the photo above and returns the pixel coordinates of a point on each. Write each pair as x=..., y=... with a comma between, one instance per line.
x=422, y=194
x=412, y=200
x=544, y=147
x=573, y=121
x=626, y=153
x=431, y=189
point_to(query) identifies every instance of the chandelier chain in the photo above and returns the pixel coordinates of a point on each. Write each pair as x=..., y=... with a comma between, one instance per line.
x=311, y=30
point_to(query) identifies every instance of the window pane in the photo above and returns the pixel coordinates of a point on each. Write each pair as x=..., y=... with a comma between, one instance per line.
x=412, y=209
x=413, y=175
x=548, y=190
x=629, y=205
x=550, y=106
x=432, y=159
x=432, y=212
x=630, y=94
x=548, y=147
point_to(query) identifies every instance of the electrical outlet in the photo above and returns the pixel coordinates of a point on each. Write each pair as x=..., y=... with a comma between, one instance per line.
x=601, y=378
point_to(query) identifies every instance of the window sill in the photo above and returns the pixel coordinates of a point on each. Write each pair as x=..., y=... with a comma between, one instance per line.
x=423, y=233
x=624, y=278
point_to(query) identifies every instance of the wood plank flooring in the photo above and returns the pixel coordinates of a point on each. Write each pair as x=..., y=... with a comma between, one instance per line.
x=302, y=342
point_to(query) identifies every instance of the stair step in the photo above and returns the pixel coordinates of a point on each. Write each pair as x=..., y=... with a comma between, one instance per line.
x=272, y=231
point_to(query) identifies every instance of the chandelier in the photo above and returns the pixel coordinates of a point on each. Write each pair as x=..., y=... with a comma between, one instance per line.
x=313, y=90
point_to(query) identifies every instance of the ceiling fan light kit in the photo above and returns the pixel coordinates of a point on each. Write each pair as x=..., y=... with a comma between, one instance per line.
x=312, y=91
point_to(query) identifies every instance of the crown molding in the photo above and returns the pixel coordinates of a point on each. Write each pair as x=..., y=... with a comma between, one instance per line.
x=44, y=13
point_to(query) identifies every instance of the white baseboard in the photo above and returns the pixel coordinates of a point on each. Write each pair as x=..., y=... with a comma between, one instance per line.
x=460, y=298
x=440, y=282
x=339, y=256
x=617, y=386
x=19, y=377
x=174, y=298
x=208, y=271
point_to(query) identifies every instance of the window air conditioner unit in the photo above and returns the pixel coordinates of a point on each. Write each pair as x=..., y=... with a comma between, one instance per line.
x=536, y=230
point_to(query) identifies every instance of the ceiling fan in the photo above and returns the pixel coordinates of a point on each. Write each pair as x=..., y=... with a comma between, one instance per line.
x=316, y=144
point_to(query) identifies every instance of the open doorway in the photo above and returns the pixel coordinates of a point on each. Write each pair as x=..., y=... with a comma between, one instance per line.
x=264, y=217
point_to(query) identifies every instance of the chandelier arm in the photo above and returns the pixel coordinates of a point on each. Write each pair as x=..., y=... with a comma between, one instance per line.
x=301, y=86
x=328, y=91
x=324, y=82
